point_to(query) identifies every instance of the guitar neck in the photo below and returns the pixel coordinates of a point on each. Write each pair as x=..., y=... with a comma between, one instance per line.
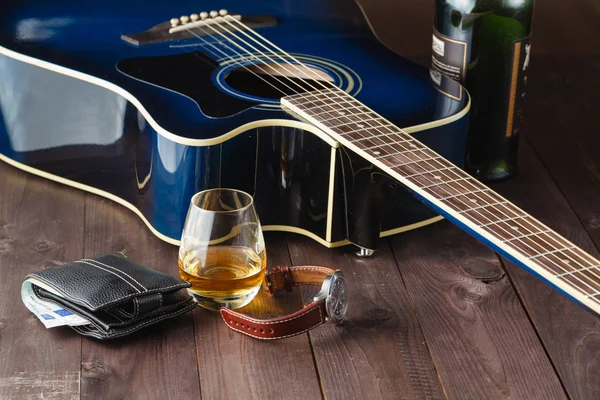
x=452, y=192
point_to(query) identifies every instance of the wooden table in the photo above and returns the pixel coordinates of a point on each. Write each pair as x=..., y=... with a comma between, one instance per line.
x=434, y=314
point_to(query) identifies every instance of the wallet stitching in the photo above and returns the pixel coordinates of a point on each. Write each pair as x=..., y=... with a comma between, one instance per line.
x=101, y=329
x=114, y=273
x=181, y=285
x=109, y=271
x=136, y=306
x=116, y=269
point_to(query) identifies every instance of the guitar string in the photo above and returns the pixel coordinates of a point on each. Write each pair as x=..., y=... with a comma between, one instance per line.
x=242, y=65
x=468, y=208
x=452, y=166
x=460, y=184
x=568, y=268
x=303, y=89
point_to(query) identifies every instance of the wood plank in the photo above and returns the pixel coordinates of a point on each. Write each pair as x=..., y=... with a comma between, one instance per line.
x=157, y=362
x=562, y=129
x=41, y=225
x=233, y=365
x=481, y=341
x=379, y=352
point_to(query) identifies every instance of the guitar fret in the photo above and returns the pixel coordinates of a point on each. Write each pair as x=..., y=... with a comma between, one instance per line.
x=484, y=206
x=400, y=153
x=427, y=172
x=408, y=144
x=375, y=147
x=577, y=271
x=359, y=107
x=409, y=163
x=404, y=156
x=353, y=115
x=465, y=194
x=504, y=220
x=497, y=220
x=527, y=236
x=441, y=183
x=553, y=252
x=386, y=136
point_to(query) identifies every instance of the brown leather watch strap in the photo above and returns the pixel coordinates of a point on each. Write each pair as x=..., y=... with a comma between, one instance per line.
x=299, y=322
x=286, y=278
x=279, y=279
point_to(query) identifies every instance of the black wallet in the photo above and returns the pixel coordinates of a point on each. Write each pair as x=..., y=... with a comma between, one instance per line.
x=116, y=295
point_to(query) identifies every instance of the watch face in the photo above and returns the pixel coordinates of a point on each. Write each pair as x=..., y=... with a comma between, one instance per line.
x=336, y=302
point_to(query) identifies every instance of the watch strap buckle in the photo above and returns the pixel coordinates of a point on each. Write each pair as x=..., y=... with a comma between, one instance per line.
x=279, y=279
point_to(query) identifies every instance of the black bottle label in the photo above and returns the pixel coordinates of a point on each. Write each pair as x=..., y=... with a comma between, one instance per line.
x=518, y=84
x=449, y=58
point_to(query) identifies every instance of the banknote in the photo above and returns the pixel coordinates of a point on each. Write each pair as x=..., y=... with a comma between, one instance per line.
x=51, y=314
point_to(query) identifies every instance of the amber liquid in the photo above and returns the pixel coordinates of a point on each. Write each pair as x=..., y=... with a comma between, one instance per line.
x=223, y=275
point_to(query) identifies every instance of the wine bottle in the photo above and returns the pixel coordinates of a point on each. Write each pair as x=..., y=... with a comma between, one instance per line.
x=485, y=45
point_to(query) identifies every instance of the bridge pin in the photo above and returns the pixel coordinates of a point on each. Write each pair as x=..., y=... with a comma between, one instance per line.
x=184, y=19
x=174, y=22
x=203, y=15
x=214, y=14
x=194, y=17
x=223, y=12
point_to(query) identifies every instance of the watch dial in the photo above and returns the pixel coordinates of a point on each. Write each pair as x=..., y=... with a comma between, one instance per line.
x=337, y=301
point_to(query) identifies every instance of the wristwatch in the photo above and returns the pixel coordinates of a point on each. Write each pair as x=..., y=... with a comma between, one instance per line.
x=330, y=304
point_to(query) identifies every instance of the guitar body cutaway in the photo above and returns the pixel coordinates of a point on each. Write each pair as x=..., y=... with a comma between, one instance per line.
x=148, y=126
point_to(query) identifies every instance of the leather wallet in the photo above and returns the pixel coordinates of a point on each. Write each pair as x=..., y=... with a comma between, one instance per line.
x=116, y=295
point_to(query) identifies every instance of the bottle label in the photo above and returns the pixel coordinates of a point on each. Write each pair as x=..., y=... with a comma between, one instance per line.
x=449, y=57
x=518, y=83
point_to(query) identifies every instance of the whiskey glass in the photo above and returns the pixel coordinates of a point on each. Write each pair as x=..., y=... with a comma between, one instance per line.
x=222, y=252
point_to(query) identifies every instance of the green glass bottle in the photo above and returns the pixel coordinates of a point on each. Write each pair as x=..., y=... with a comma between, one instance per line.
x=485, y=44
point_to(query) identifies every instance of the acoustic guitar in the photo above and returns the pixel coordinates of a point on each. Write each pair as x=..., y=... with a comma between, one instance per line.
x=335, y=136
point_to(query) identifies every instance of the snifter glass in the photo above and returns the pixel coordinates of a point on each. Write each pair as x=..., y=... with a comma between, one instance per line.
x=222, y=252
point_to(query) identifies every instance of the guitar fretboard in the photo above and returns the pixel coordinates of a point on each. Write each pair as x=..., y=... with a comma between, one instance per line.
x=452, y=191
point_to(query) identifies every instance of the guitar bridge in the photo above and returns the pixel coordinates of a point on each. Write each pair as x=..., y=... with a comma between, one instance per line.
x=197, y=25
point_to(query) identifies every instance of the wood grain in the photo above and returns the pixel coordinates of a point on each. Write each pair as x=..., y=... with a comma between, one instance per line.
x=41, y=225
x=481, y=341
x=157, y=362
x=233, y=365
x=379, y=351
x=563, y=135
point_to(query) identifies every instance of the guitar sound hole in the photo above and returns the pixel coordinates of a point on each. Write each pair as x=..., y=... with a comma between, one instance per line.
x=273, y=81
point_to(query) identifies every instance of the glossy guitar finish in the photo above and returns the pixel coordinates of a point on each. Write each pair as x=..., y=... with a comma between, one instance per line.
x=72, y=112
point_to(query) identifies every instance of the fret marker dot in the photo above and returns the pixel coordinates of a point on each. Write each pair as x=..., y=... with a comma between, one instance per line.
x=412, y=145
x=341, y=112
x=473, y=200
x=567, y=261
x=437, y=177
x=360, y=125
x=377, y=153
x=516, y=228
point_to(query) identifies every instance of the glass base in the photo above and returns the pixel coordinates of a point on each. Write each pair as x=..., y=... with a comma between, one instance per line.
x=232, y=303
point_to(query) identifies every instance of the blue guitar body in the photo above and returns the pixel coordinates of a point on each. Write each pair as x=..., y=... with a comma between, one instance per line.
x=149, y=125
